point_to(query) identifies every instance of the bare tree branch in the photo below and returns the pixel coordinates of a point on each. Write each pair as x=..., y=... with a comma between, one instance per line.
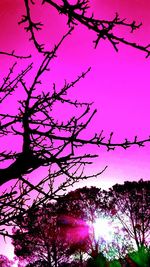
x=13, y=54
x=104, y=29
x=48, y=141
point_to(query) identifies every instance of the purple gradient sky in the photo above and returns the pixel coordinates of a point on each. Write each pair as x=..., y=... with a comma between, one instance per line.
x=118, y=83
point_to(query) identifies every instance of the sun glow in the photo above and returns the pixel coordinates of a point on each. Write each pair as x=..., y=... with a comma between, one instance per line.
x=102, y=229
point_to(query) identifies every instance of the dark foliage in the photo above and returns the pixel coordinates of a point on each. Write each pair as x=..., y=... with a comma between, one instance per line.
x=58, y=231
x=131, y=202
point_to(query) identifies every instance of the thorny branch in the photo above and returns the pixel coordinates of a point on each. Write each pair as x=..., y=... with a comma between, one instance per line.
x=77, y=14
x=13, y=54
x=35, y=113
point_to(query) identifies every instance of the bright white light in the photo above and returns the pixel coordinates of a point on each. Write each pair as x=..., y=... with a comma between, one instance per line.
x=102, y=229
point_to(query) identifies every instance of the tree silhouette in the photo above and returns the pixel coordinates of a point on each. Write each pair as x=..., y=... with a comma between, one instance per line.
x=90, y=204
x=42, y=235
x=55, y=232
x=131, y=206
x=46, y=141
x=39, y=240
x=86, y=204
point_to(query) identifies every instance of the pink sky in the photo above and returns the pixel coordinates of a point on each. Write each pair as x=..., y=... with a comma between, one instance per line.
x=118, y=83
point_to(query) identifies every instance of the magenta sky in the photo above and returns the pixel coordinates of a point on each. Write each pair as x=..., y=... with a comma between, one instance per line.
x=118, y=83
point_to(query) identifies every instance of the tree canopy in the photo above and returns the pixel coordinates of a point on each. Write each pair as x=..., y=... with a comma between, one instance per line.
x=131, y=206
x=57, y=232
